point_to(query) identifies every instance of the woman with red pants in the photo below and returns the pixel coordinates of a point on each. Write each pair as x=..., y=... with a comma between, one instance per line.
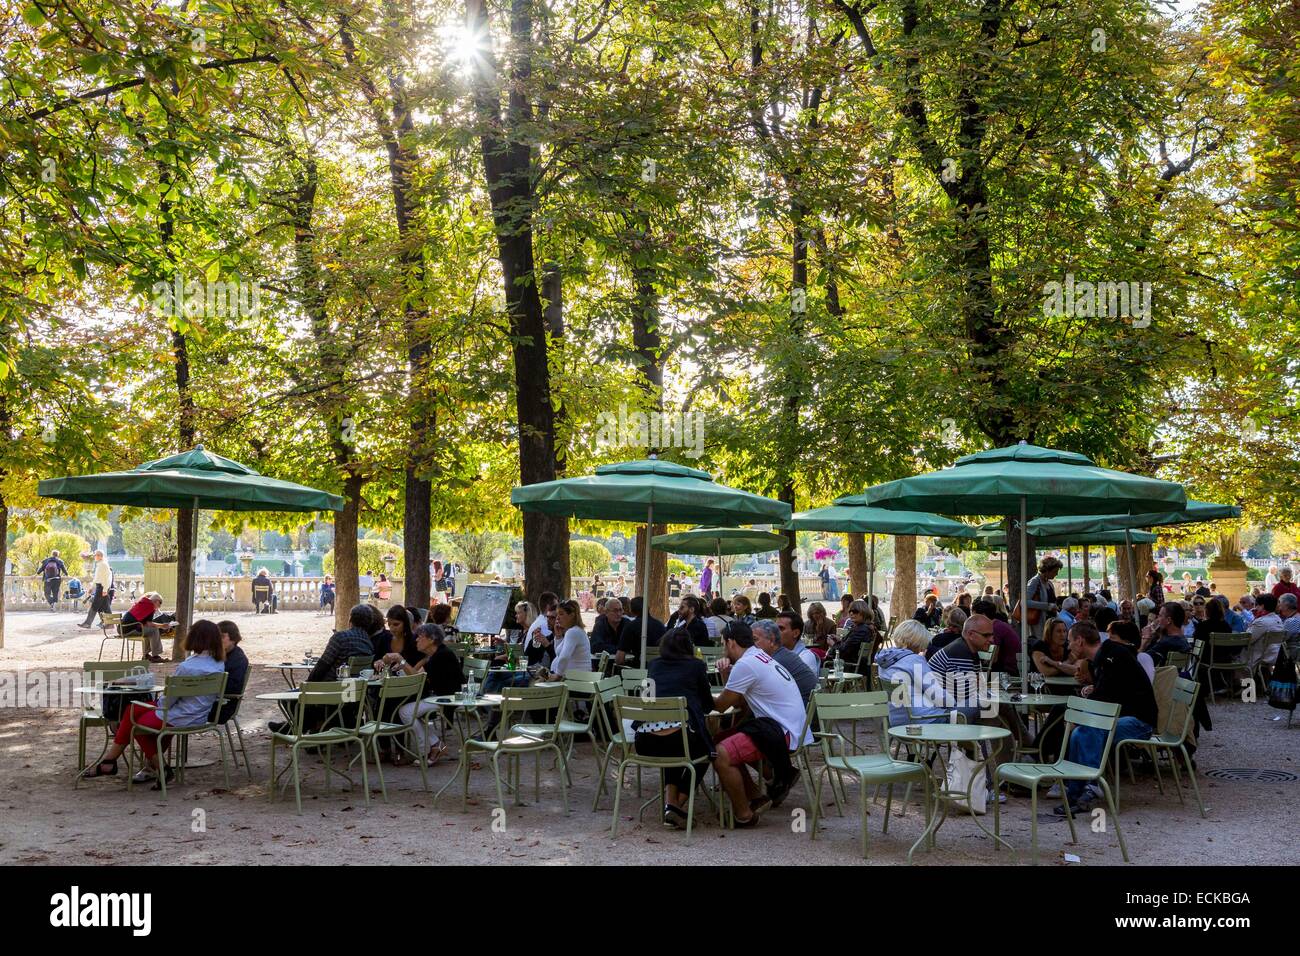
x=207, y=653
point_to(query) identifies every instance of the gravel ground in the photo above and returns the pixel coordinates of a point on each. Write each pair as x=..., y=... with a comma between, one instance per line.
x=42, y=819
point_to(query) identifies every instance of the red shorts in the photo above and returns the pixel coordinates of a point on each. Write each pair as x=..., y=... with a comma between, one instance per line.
x=740, y=749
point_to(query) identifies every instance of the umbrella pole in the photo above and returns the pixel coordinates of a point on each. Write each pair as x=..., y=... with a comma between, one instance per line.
x=645, y=584
x=1086, y=568
x=1024, y=602
x=871, y=570
x=1132, y=566
x=1069, y=569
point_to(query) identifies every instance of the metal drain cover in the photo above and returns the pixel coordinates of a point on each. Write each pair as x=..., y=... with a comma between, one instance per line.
x=1254, y=776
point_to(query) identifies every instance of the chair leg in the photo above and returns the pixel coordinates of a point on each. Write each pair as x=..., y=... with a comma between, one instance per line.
x=1069, y=814
x=1191, y=775
x=618, y=794
x=564, y=789
x=690, y=802
x=997, y=816
x=297, y=779
x=272, y=786
x=496, y=774
x=225, y=769
x=862, y=813
x=1118, y=750
x=889, y=803
x=1178, y=783
x=162, y=765
x=365, y=776
x=374, y=749
x=1160, y=783
x=1114, y=815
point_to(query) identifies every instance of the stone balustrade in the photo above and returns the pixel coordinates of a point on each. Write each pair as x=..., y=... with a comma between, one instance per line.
x=213, y=593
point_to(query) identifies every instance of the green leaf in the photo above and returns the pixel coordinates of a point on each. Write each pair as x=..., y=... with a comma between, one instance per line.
x=33, y=15
x=213, y=271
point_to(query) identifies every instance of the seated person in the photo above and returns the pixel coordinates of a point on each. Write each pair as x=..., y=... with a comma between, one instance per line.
x=441, y=615
x=1127, y=632
x=1118, y=678
x=236, y=668
x=957, y=663
x=775, y=728
x=1267, y=620
x=954, y=619
x=607, y=633
x=790, y=626
x=860, y=639
x=743, y=610
x=930, y=613
x=207, y=656
x=690, y=615
x=1165, y=634
x=1005, y=637
x=139, y=619
x=328, y=593
x=905, y=663
x=400, y=627
x=264, y=597
x=629, y=648
x=676, y=672
x=574, y=652
x=383, y=588
x=539, y=638
x=443, y=675
x=767, y=637
x=1051, y=655
x=765, y=608
x=355, y=641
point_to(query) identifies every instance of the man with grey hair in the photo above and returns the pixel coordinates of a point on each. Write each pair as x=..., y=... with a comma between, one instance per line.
x=607, y=632
x=1069, y=612
x=767, y=635
x=102, y=584
x=1286, y=610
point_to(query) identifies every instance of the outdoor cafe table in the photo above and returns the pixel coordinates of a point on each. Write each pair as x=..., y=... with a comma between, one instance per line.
x=933, y=736
x=287, y=671
x=1061, y=680
x=1029, y=703
x=112, y=690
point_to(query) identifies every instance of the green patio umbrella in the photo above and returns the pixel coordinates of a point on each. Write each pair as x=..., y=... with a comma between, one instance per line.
x=1030, y=481
x=649, y=490
x=196, y=479
x=719, y=541
x=995, y=538
x=1194, y=513
x=852, y=514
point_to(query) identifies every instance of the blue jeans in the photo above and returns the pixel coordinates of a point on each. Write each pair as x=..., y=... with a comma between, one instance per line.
x=1086, y=744
x=495, y=682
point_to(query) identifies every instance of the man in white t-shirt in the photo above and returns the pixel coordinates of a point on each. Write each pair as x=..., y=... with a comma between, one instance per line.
x=777, y=728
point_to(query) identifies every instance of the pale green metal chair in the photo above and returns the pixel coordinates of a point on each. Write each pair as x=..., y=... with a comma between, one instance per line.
x=1177, y=727
x=393, y=693
x=876, y=768
x=345, y=701
x=514, y=740
x=1230, y=645
x=92, y=709
x=665, y=709
x=612, y=731
x=178, y=688
x=1079, y=712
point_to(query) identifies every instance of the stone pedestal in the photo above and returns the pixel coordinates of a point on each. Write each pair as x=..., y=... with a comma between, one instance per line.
x=1228, y=572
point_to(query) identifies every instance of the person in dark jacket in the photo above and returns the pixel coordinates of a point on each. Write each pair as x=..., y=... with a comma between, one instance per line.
x=860, y=639
x=356, y=641
x=676, y=672
x=52, y=572
x=609, y=629
x=630, y=644
x=930, y=613
x=690, y=615
x=1118, y=678
x=236, y=668
x=401, y=626
x=443, y=674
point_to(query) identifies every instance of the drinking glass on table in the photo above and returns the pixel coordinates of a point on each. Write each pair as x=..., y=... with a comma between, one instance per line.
x=1036, y=682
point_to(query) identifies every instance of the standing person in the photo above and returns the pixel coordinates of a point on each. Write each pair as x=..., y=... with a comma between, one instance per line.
x=706, y=580
x=1040, y=595
x=101, y=601
x=52, y=572
x=449, y=575
x=824, y=575
x=1156, y=588
x=328, y=594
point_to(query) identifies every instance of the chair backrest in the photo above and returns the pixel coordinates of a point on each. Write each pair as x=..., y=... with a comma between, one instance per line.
x=108, y=619
x=1273, y=638
x=1228, y=640
x=400, y=688
x=178, y=686
x=988, y=658
x=523, y=700
x=95, y=673
x=477, y=667
x=336, y=694
x=359, y=662
x=665, y=709
x=262, y=590
x=1097, y=714
x=831, y=708
x=1184, y=706
x=633, y=677
x=589, y=677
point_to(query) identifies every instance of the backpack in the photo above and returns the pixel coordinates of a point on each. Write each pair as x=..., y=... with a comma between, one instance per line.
x=50, y=568
x=1282, y=682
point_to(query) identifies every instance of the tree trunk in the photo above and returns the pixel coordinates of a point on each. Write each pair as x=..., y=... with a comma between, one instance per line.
x=416, y=531
x=902, y=602
x=858, y=563
x=347, y=584
x=508, y=171
x=786, y=560
x=185, y=517
x=657, y=602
